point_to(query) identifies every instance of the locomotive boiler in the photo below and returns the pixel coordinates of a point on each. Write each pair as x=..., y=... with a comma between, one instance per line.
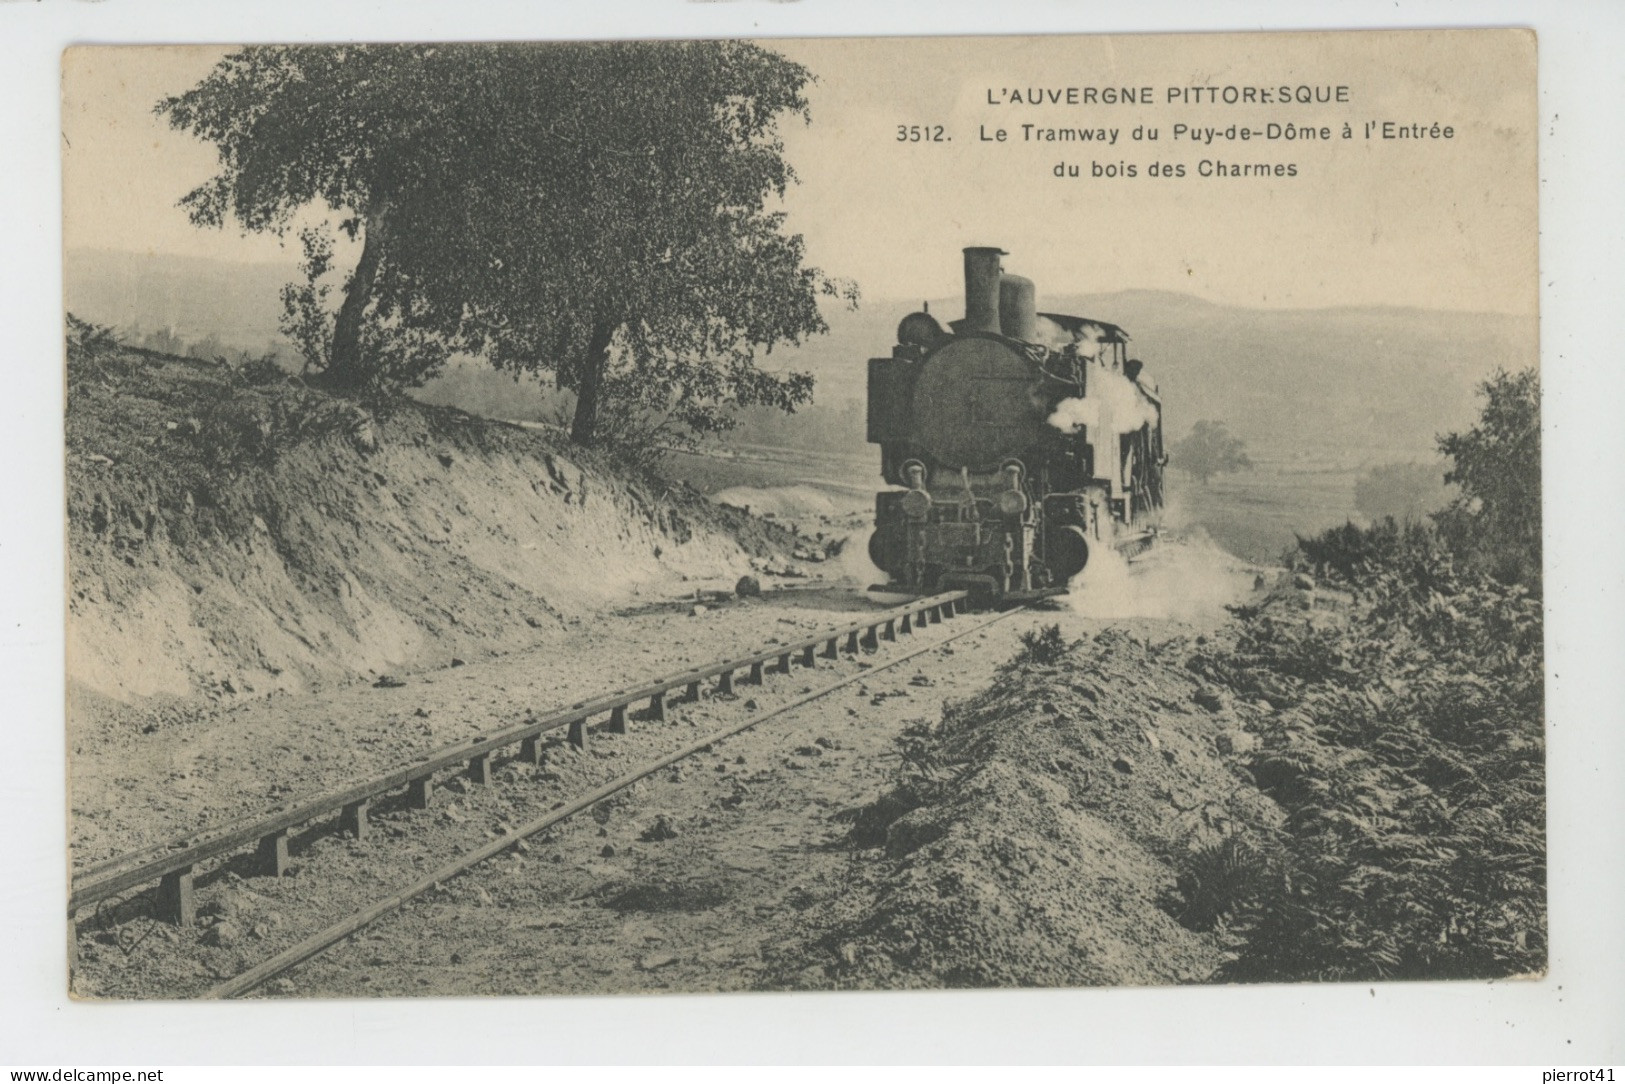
x=1016, y=443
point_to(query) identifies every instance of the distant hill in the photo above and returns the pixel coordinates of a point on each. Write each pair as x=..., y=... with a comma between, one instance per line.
x=1349, y=384
x=195, y=298
x=230, y=308
x=1369, y=383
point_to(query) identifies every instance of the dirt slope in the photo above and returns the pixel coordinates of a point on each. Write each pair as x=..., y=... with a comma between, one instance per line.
x=231, y=533
x=1032, y=837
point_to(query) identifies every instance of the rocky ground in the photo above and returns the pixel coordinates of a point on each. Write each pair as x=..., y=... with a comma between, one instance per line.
x=1032, y=837
x=776, y=860
x=765, y=783
x=140, y=774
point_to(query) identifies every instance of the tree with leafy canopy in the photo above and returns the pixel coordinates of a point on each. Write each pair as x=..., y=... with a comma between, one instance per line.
x=597, y=212
x=1209, y=449
x=355, y=130
x=1495, y=523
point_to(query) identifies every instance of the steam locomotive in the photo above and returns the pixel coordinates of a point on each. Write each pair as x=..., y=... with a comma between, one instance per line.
x=1017, y=442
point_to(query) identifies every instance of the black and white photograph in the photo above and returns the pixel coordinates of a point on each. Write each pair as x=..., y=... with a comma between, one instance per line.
x=730, y=516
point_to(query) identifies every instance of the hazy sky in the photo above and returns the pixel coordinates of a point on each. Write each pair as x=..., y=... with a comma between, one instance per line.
x=1444, y=223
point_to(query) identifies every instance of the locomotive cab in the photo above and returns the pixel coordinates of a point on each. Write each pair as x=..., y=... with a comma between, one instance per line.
x=1015, y=442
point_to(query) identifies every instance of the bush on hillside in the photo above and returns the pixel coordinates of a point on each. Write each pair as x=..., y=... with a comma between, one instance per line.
x=238, y=431
x=1495, y=524
x=1042, y=646
x=632, y=438
x=199, y=422
x=93, y=350
x=1406, y=749
x=87, y=340
x=1405, y=744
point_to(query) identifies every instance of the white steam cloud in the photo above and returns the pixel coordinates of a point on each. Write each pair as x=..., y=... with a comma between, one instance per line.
x=1190, y=579
x=1086, y=339
x=1113, y=400
x=1072, y=413
x=852, y=564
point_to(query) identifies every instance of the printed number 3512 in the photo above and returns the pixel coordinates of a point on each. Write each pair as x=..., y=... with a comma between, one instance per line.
x=921, y=133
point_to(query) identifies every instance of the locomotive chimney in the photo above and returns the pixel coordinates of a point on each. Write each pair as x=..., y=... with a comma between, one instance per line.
x=1018, y=308
x=982, y=274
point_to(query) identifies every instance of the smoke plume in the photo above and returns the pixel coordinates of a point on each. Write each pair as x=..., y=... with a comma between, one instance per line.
x=1113, y=400
x=1072, y=413
x=1086, y=339
x=852, y=564
x=1188, y=579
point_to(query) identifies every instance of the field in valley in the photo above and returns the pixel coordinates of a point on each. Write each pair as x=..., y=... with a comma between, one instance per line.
x=1255, y=515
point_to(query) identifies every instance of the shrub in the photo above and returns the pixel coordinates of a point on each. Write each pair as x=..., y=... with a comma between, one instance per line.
x=1407, y=753
x=398, y=348
x=87, y=340
x=1410, y=757
x=259, y=372
x=93, y=349
x=253, y=428
x=1495, y=524
x=1043, y=646
x=1219, y=880
x=1355, y=554
x=632, y=437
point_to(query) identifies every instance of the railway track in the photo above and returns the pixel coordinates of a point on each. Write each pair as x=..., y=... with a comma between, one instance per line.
x=262, y=841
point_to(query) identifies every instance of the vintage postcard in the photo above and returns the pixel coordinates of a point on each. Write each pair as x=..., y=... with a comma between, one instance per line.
x=722, y=516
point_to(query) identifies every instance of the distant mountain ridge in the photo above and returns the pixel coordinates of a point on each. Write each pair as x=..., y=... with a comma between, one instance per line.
x=1371, y=383
x=1368, y=381
x=195, y=297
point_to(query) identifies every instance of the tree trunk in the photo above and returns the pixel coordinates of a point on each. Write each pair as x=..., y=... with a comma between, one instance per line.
x=593, y=364
x=344, y=368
